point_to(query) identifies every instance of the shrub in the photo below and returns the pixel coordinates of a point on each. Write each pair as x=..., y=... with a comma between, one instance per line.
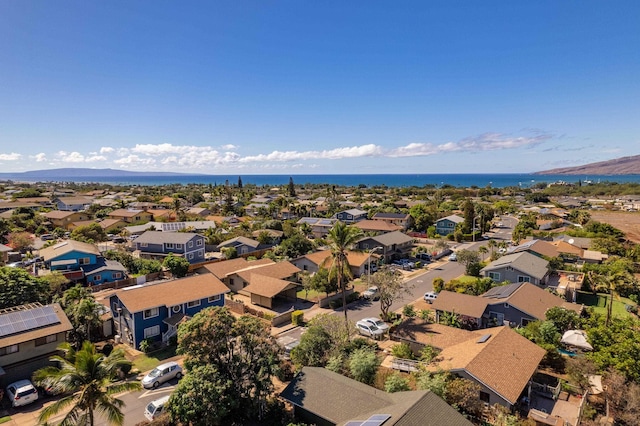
x=297, y=317
x=424, y=314
x=409, y=311
x=396, y=383
x=403, y=350
x=145, y=345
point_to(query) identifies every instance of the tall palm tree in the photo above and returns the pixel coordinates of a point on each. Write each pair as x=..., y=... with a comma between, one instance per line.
x=85, y=377
x=610, y=281
x=341, y=237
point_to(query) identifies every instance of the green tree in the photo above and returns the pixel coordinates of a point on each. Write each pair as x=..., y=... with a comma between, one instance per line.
x=322, y=281
x=610, y=281
x=463, y=394
x=341, y=237
x=291, y=188
x=363, y=364
x=243, y=352
x=203, y=397
x=314, y=348
x=435, y=382
x=396, y=383
x=391, y=288
x=92, y=233
x=438, y=284
x=86, y=378
x=20, y=241
x=295, y=246
x=468, y=258
x=177, y=265
x=83, y=312
x=563, y=319
x=18, y=287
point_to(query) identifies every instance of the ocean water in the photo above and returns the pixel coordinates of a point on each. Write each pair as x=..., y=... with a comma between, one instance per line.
x=369, y=180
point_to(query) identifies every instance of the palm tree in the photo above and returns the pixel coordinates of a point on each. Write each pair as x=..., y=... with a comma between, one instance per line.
x=483, y=250
x=85, y=377
x=609, y=281
x=340, y=238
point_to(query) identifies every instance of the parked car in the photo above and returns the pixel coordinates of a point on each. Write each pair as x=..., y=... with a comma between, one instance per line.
x=378, y=323
x=153, y=409
x=430, y=296
x=372, y=293
x=47, y=237
x=367, y=329
x=453, y=257
x=161, y=374
x=21, y=393
x=425, y=257
x=19, y=264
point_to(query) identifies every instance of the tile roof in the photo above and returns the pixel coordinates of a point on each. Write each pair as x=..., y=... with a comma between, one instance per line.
x=376, y=225
x=391, y=238
x=383, y=215
x=453, y=218
x=240, y=241
x=169, y=293
x=504, y=362
x=126, y=213
x=541, y=247
x=59, y=214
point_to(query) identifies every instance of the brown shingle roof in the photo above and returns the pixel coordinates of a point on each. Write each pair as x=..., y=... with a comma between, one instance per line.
x=504, y=362
x=354, y=258
x=464, y=304
x=376, y=225
x=278, y=270
x=536, y=301
x=437, y=335
x=267, y=286
x=125, y=213
x=171, y=293
x=59, y=214
x=67, y=246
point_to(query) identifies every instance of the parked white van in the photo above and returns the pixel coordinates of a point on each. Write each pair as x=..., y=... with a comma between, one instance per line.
x=154, y=408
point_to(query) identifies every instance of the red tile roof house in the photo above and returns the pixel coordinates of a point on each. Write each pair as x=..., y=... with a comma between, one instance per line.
x=500, y=360
x=154, y=310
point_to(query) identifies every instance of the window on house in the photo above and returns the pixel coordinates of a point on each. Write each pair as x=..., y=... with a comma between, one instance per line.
x=199, y=242
x=193, y=303
x=215, y=298
x=524, y=279
x=190, y=244
x=150, y=313
x=494, y=276
x=176, y=309
x=117, y=275
x=8, y=350
x=152, y=331
x=144, y=244
x=178, y=246
x=485, y=397
x=46, y=339
x=97, y=278
x=190, y=256
x=168, y=245
x=84, y=261
x=231, y=281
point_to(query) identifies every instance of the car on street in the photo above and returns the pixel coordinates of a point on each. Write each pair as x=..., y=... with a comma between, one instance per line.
x=378, y=323
x=19, y=264
x=372, y=293
x=21, y=393
x=430, y=296
x=425, y=257
x=153, y=409
x=365, y=328
x=161, y=374
x=453, y=257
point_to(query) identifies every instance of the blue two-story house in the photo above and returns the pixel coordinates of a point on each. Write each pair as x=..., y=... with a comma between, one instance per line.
x=154, y=311
x=82, y=262
x=447, y=225
x=351, y=216
x=157, y=245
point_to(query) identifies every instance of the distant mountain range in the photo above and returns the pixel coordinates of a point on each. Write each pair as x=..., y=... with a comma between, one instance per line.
x=53, y=174
x=618, y=166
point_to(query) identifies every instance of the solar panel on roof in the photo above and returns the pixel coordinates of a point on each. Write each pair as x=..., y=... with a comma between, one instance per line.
x=26, y=320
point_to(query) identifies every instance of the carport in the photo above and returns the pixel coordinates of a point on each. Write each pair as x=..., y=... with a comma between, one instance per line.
x=263, y=290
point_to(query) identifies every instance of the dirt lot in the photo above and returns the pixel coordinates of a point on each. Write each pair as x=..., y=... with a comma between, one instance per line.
x=627, y=222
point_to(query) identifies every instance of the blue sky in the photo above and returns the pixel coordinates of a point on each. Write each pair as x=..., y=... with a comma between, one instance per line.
x=302, y=87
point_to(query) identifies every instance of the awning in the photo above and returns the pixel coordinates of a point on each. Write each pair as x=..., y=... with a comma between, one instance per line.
x=577, y=338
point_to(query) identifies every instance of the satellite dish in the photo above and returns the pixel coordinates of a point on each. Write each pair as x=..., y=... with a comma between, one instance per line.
x=571, y=241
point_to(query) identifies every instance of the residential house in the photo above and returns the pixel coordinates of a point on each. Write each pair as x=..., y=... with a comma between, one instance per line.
x=4, y=253
x=241, y=279
x=538, y=248
x=402, y=220
x=320, y=227
x=79, y=261
x=513, y=304
x=131, y=215
x=517, y=268
x=351, y=216
x=447, y=225
x=274, y=234
x=395, y=245
x=65, y=218
x=29, y=336
x=198, y=211
x=158, y=245
x=112, y=226
x=193, y=226
x=225, y=269
x=154, y=311
x=324, y=398
x=358, y=261
x=73, y=204
x=500, y=360
x=376, y=226
x=243, y=245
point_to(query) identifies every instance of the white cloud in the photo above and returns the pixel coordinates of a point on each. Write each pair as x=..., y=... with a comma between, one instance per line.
x=40, y=157
x=14, y=156
x=229, y=147
x=107, y=150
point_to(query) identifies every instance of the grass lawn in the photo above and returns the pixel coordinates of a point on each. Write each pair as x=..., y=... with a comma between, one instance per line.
x=146, y=362
x=599, y=303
